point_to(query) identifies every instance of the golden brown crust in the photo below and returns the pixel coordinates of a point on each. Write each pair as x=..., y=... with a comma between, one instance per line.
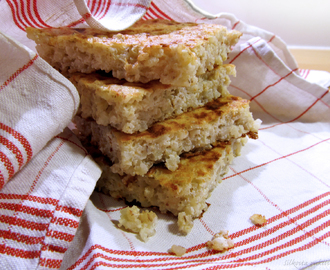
x=223, y=119
x=182, y=192
x=197, y=117
x=204, y=162
x=146, y=34
x=174, y=53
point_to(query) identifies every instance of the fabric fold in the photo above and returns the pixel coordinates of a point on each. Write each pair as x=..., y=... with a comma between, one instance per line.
x=50, y=215
x=37, y=103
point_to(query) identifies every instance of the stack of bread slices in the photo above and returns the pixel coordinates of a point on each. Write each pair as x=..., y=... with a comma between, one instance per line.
x=155, y=112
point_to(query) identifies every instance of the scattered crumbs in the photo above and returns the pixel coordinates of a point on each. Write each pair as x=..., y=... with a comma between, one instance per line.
x=178, y=250
x=144, y=223
x=258, y=219
x=220, y=242
x=185, y=222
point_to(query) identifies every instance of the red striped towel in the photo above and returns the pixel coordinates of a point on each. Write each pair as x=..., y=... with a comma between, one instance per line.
x=48, y=219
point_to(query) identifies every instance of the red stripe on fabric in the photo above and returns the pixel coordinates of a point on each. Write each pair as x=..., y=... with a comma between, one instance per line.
x=98, y=8
x=318, y=99
x=74, y=24
x=153, y=6
x=279, y=256
x=295, y=163
x=24, y=15
x=35, y=181
x=19, y=253
x=28, y=197
x=260, y=191
x=15, y=10
x=144, y=264
x=262, y=60
x=184, y=264
x=23, y=141
x=242, y=51
x=110, y=210
x=18, y=72
x=22, y=12
x=271, y=39
x=104, y=10
x=271, y=85
x=26, y=224
x=128, y=240
x=92, y=5
x=265, y=111
x=30, y=15
x=16, y=21
x=50, y=263
x=282, y=214
x=31, y=210
x=37, y=15
x=2, y=180
x=281, y=237
x=65, y=222
x=234, y=26
x=38, y=226
x=86, y=16
x=57, y=249
x=74, y=143
x=207, y=228
x=304, y=112
x=70, y=210
x=219, y=259
x=26, y=209
x=20, y=238
x=306, y=73
x=117, y=252
x=60, y=235
x=152, y=13
x=146, y=17
x=276, y=159
x=14, y=149
x=104, y=205
x=9, y=166
x=282, y=225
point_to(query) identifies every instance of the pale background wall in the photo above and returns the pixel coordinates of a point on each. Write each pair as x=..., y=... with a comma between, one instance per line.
x=298, y=22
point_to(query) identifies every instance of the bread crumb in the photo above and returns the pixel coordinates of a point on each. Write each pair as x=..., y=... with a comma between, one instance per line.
x=185, y=222
x=258, y=219
x=220, y=242
x=178, y=250
x=143, y=223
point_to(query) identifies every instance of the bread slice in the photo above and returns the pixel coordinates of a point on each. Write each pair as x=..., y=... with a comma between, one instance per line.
x=133, y=107
x=174, y=53
x=182, y=192
x=222, y=119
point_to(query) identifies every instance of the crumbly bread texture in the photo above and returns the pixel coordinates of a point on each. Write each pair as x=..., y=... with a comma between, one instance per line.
x=178, y=250
x=144, y=222
x=174, y=53
x=182, y=192
x=258, y=219
x=222, y=119
x=133, y=107
x=220, y=242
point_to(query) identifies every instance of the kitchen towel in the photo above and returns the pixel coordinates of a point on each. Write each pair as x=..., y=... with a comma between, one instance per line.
x=48, y=218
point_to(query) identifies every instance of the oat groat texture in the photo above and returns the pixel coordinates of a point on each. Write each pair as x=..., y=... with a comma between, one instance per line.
x=183, y=191
x=144, y=222
x=174, y=53
x=222, y=119
x=133, y=107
